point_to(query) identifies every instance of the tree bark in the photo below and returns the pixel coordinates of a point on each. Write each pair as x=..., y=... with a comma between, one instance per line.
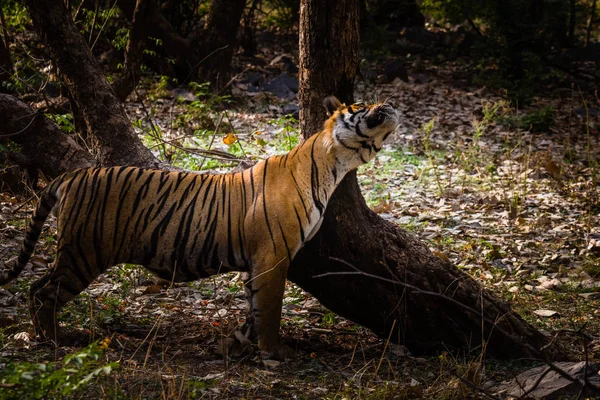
x=41, y=143
x=156, y=25
x=369, y=270
x=112, y=137
x=219, y=41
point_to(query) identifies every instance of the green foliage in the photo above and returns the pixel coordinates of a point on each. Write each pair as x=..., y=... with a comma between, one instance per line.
x=281, y=14
x=592, y=267
x=64, y=121
x=290, y=130
x=15, y=15
x=328, y=320
x=55, y=380
x=121, y=38
x=539, y=120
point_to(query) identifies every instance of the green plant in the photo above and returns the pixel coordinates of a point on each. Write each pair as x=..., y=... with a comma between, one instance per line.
x=55, y=380
x=591, y=266
x=64, y=121
x=539, y=120
x=290, y=129
x=328, y=320
x=427, y=130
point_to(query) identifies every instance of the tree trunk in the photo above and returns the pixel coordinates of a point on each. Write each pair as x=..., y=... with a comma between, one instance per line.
x=41, y=142
x=219, y=41
x=369, y=270
x=133, y=53
x=181, y=49
x=114, y=141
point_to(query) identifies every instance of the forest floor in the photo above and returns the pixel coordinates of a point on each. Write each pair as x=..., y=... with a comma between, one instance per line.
x=511, y=197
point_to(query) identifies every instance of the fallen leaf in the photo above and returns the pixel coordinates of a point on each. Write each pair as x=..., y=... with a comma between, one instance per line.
x=546, y=313
x=271, y=363
x=152, y=289
x=230, y=139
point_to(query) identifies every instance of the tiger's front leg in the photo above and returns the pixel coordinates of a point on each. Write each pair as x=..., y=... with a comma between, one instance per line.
x=267, y=284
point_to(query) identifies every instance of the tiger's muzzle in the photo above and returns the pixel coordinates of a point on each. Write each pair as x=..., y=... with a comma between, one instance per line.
x=382, y=114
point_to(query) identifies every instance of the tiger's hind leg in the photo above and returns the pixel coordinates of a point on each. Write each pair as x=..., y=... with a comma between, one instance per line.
x=47, y=296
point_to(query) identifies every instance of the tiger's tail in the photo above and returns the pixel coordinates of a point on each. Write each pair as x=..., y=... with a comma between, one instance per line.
x=46, y=204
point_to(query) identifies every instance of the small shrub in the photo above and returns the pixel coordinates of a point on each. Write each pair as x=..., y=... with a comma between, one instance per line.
x=55, y=380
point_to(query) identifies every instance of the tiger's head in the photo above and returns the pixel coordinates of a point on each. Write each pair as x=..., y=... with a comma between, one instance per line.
x=358, y=130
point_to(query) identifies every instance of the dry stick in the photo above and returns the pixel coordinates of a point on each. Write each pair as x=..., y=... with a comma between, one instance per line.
x=552, y=366
x=474, y=386
x=103, y=25
x=78, y=9
x=204, y=59
x=93, y=22
x=212, y=139
x=147, y=336
x=387, y=342
x=152, y=126
x=24, y=129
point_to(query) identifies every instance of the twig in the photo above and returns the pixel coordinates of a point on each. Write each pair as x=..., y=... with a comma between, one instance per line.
x=474, y=386
x=533, y=350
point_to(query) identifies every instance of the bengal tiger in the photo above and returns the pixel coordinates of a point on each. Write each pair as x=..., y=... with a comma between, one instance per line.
x=184, y=226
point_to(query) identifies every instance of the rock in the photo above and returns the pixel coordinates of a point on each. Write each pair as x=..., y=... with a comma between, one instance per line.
x=292, y=109
x=552, y=385
x=184, y=94
x=254, y=78
x=382, y=79
x=283, y=86
x=265, y=38
x=285, y=63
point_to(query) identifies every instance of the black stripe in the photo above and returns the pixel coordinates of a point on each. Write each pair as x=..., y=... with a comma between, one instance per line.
x=147, y=216
x=105, y=201
x=287, y=247
x=125, y=187
x=162, y=180
x=94, y=185
x=159, y=231
x=359, y=132
x=344, y=122
x=264, y=196
x=121, y=169
x=301, y=196
x=82, y=262
x=302, y=237
x=180, y=177
x=314, y=177
x=79, y=198
x=162, y=201
x=183, y=234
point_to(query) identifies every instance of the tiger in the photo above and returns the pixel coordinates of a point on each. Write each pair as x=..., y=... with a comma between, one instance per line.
x=184, y=226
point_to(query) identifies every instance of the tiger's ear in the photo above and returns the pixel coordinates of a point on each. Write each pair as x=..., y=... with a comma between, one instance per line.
x=332, y=104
